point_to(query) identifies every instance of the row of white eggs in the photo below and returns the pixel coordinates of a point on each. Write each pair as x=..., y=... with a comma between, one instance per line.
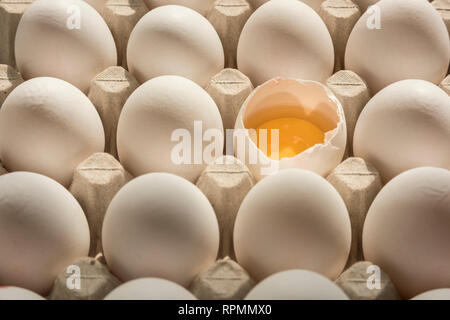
x=406, y=125
x=161, y=225
x=281, y=38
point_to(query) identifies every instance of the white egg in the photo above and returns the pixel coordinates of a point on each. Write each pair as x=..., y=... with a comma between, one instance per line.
x=42, y=230
x=292, y=220
x=437, y=294
x=281, y=98
x=65, y=39
x=15, y=293
x=285, y=38
x=157, y=116
x=404, y=39
x=406, y=231
x=150, y=289
x=160, y=225
x=174, y=40
x=296, y=285
x=201, y=6
x=406, y=125
x=48, y=126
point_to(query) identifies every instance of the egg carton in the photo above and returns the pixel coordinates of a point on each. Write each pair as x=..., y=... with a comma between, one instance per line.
x=97, y=179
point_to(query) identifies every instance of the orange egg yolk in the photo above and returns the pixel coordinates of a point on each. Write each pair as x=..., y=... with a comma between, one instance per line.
x=295, y=136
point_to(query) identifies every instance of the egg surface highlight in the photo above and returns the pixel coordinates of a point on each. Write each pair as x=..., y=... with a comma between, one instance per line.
x=294, y=219
x=160, y=225
x=296, y=285
x=404, y=39
x=48, y=126
x=42, y=230
x=201, y=6
x=285, y=38
x=312, y=130
x=65, y=39
x=406, y=230
x=437, y=294
x=150, y=289
x=406, y=125
x=159, y=114
x=175, y=40
x=15, y=293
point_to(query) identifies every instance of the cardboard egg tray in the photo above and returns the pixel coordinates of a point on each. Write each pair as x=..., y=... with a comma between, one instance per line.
x=97, y=179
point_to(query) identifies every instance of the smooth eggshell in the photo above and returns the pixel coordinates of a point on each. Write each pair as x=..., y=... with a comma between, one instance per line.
x=42, y=230
x=48, y=126
x=285, y=38
x=406, y=231
x=150, y=116
x=294, y=219
x=150, y=289
x=174, y=40
x=15, y=293
x=308, y=100
x=201, y=6
x=406, y=125
x=437, y=294
x=412, y=43
x=47, y=44
x=296, y=285
x=160, y=225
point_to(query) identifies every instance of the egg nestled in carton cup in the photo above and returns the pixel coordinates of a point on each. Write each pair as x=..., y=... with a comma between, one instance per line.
x=290, y=123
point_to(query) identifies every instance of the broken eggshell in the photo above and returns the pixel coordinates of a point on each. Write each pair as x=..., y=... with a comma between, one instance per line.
x=304, y=99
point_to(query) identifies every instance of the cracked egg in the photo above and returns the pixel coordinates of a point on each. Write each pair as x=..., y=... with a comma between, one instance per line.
x=310, y=129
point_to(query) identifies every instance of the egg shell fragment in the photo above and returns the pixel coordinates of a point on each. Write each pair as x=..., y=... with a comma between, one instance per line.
x=308, y=100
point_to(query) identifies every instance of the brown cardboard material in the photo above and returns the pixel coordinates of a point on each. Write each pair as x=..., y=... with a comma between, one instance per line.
x=9, y=79
x=358, y=182
x=443, y=7
x=226, y=185
x=121, y=16
x=340, y=16
x=229, y=89
x=228, y=18
x=225, y=280
x=86, y=279
x=445, y=85
x=108, y=92
x=95, y=182
x=359, y=283
x=353, y=93
x=10, y=13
